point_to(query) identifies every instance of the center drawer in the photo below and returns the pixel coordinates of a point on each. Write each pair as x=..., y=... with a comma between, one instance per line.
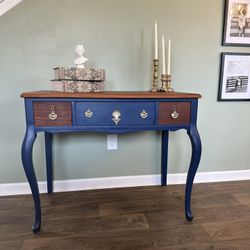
x=115, y=113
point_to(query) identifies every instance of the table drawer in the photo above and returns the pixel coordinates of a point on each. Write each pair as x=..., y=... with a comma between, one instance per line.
x=52, y=113
x=174, y=113
x=115, y=113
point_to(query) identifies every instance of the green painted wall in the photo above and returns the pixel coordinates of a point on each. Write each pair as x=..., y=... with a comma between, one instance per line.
x=118, y=36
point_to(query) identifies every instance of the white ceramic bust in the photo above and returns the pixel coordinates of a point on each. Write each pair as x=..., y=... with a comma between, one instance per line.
x=80, y=60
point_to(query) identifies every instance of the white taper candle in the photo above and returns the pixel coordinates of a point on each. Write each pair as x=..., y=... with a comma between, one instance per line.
x=156, y=40
x=169, y=56
x=163, y=55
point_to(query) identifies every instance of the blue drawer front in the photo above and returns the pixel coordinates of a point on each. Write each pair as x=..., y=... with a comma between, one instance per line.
x=100, y=113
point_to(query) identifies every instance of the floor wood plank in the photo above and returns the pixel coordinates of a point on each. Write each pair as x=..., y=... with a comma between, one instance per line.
x=139, y=218
x=228, y=230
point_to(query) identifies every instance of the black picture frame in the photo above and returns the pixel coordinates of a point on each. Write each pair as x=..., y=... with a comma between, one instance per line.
x=234, y=81
x=236, y=30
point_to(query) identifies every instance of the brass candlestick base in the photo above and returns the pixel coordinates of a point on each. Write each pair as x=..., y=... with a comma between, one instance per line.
x=170, y=89
x=163, y=83
x=155, y=76
x=166, y=83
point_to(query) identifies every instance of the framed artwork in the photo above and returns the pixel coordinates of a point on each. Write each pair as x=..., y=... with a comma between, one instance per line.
x=236, y=30
x=234, y=77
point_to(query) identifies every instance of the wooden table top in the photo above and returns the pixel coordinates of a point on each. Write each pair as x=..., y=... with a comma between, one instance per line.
x=110, y=94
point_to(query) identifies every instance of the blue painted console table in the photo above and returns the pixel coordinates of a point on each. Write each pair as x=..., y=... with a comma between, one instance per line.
x=110, y=112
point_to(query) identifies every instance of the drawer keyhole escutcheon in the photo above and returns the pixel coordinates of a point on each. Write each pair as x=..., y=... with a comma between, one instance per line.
x=116, y=116
x=52, y=115
x=88, y=113
x=144, y=114
x=174, y=114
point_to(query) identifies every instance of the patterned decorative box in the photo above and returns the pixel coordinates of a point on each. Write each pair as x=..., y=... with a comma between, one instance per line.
x=89, y=74
x=78, y=80
x=77, y=86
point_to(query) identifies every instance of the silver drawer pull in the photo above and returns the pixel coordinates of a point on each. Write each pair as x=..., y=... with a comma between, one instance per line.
x=144, y=114
x=52, y=115
x=88, y=113
x=116, y=116
x=175, y=114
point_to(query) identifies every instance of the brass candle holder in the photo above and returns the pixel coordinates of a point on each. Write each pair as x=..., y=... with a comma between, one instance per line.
x=155, y=76
x=166, y=83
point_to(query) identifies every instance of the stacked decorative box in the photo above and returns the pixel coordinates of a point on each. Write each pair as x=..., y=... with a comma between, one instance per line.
x=78, y=79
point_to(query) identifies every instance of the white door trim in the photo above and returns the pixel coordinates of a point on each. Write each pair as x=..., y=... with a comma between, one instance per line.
x=6, y=5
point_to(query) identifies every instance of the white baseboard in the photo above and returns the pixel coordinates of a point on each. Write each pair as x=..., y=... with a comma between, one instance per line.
x=123, y=181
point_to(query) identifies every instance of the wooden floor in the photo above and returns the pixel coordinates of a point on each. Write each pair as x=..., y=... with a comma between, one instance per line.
x=132, y=219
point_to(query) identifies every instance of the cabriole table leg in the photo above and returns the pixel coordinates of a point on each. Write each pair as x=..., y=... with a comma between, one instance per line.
x=195, y=159
x=27, y=148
